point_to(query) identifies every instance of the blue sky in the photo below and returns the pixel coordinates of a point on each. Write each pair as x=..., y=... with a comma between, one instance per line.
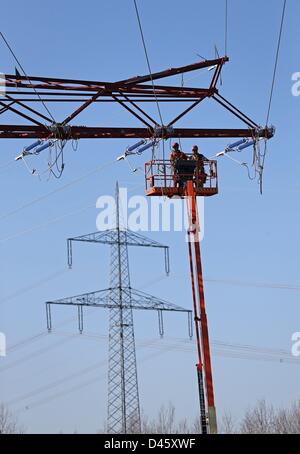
x=248, y=237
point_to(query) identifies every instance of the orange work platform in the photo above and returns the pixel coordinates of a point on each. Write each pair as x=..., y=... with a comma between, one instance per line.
x=169, y=178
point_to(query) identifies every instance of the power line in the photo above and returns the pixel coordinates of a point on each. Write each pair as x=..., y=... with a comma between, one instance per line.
x=51, y=221
x=30, y=356
x=186, y=345
x=46, y=224
x=4, y=166
x=279, y=286
x=264, y=153
x=60, y=394
x=56, y=383
x=72, y=376
x=26, y=341
x=147, y=58
x=276, y=61
x=33, y=286
x=35, y=337
x=57, y=190
x=24, y=72
x=234, y=282
x=226, y=27
x=87, y=383
x=241, y=352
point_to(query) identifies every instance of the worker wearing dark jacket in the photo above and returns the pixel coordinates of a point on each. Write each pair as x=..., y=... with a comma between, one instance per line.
x=196, y=156
x=176, y=156
x=200, y=158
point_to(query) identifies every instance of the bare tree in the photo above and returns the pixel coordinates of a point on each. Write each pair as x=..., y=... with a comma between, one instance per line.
x=227, y=425
x=294, y=419
x=165, y=423
x=8, y=422
x=259, y=420
x=196, y=427
x=183, y=427
x=166, y=420
x=264, y=419
x=288, y=421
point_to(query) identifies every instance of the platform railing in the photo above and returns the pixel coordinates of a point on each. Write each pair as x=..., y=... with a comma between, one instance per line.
x=166, y=174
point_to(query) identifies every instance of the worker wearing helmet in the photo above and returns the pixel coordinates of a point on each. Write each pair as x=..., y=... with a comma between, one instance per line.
x=196, y=156
x=176, y=153
x=176, y=156
x=200, y=158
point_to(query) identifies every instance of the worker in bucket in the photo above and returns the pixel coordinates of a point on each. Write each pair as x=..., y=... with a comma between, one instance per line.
x=176, y=153
x=176, y=156
x=196, y=156
x=200, y=159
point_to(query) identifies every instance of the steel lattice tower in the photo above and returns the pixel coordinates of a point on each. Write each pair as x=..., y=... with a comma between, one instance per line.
x=123, y=391
x=121, y=299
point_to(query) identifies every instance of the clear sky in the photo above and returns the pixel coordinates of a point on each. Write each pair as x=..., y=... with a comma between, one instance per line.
x=248, y=237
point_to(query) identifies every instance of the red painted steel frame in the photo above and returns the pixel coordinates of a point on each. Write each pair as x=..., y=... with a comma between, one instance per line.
x=82, y=132
x=127, y=93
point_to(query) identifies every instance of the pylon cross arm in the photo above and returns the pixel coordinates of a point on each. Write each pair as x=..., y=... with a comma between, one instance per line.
x=123, y=238
x=132, y=299
x=103, y=298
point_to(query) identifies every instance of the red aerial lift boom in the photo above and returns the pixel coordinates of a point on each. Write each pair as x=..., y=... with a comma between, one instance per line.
x=185, y=179
x=201, y=326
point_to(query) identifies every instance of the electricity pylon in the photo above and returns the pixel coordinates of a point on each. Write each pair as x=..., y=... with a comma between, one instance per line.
x=123, y=395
